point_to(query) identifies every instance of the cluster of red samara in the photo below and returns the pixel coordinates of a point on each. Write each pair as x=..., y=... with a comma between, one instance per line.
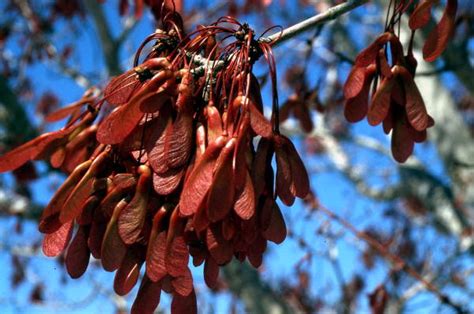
x=381, y=84
x=172, y=161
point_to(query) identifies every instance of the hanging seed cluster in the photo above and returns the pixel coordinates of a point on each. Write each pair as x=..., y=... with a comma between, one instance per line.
x=385, y=91
x=172, y=161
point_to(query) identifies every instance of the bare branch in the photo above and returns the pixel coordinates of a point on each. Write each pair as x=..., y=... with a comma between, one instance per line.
x=314, y=21
x=105, y=36
x=396, y=262
x=130, y=24
x=341, y=161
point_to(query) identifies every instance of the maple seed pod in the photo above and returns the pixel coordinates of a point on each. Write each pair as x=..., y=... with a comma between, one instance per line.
x=78, y=254
x=354, y=82
x=200, y=179
x=132, y=217
x=214, y=123
x=54, y=243
x=120, y=88
x=439, y=37
x=128, y=273
x=259, y=123
x=73, y=204
x=397, y=91
x=178, y=143
x=222, y=189
x=121, y=122
x=113, y=247
x=148, y=297
x=380, y=103
x=49, y=221
x=155, y=260
x=157, y=225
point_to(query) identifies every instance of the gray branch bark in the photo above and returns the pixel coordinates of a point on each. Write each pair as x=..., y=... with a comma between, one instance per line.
x=109, y=45
x=314, y=21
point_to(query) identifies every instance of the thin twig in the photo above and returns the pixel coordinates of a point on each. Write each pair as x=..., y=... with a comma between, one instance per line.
x=397, y=262
x=39, y=39
x=129, y=26
x=314, y=21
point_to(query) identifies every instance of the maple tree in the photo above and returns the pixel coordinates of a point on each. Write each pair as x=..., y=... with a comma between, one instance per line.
x=172, y=159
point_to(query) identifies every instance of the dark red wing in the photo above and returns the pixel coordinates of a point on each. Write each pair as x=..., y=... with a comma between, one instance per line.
x=120, y=88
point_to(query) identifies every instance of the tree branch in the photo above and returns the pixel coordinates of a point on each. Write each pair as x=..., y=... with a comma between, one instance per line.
x=314, y=21
x=397, y=262
x=109, y=45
